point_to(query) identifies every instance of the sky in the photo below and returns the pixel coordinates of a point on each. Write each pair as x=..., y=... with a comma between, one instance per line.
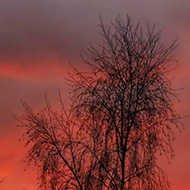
x=38, y=40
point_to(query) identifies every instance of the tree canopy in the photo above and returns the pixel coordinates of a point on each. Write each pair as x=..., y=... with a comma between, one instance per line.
x=121, y=117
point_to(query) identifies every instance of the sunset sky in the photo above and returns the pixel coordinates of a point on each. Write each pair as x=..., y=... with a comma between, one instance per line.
x=38, y=39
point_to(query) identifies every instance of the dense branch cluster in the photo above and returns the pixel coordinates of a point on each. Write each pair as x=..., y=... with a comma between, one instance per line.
x=120, y=119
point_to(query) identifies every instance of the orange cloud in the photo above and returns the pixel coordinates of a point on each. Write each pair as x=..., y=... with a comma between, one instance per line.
x=51, y=69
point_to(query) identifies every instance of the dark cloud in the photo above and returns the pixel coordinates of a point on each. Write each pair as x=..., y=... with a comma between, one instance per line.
x=33, y=29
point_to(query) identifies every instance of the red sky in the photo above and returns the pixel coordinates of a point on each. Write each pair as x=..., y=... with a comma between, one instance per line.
x=37, y=41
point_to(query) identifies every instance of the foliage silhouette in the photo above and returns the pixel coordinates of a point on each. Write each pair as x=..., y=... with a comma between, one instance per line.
x=121, y=117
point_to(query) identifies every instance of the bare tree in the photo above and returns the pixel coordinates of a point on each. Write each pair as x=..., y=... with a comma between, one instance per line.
x=120, y=119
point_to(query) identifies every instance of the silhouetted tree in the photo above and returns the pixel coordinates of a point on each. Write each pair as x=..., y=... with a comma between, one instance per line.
x=120, y=119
